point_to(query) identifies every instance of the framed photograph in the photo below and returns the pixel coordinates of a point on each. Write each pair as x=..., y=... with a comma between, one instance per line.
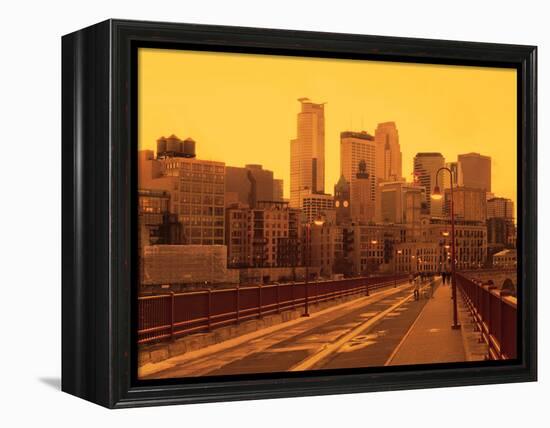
x=253, y=213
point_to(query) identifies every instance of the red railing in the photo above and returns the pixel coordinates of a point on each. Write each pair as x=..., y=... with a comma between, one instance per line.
x=168, y=316
x=495, y=314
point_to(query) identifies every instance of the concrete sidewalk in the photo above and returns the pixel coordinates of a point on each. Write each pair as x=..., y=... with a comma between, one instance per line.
x=431, y=338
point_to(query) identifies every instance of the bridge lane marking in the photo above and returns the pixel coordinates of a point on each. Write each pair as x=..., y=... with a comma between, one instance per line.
x=332, y=348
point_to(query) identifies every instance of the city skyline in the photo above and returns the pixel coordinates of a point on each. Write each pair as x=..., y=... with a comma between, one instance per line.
x=259, y=203
x=184, y=117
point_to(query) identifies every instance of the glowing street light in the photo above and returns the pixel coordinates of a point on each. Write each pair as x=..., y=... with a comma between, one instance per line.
x=436, y=194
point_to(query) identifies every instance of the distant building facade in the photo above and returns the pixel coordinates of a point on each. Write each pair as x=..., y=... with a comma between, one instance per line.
x=363, y=200
x=197, y=192
x=388, y=152
x=265, y=236
x=456, y=171
x=315, y=205
x=358, y=148
x=373, y=247
x=470, y=204
x=278, y=189
x=401, y=202
x=156, y=224
x=500, y=207
x=502, y=231
x=251, y=184
x=425, y=170
x=326, y=244
x=505, y=259
x=470, y=242
x=476, y=171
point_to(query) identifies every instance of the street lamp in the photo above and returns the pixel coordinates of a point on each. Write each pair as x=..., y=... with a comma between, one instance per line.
x=319, y=221
x=436, y=195
x=373, y=242
x=396, y=269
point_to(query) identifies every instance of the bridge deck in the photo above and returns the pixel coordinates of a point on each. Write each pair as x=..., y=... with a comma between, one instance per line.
x=431, y=338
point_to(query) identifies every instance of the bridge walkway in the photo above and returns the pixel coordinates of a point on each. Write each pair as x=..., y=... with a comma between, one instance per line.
x=431, y=339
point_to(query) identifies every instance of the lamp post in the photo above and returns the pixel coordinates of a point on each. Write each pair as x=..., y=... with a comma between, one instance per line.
x=436, y=195
x=373, y=242
x=319, y=221
x=397, y=253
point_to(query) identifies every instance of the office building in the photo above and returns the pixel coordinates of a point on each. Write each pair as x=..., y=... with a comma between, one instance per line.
x=470, y=242
x=315, y=205
x=426, y=166
x=326, y=245
x=388, y=152
x=501, y=208
x=307, y=152
x=476, y=171
x=251, y=184
x=469, y=204
x=264, y=236
x=401, y=202
x=501, y=231
x=278, y=189
x=197, y=193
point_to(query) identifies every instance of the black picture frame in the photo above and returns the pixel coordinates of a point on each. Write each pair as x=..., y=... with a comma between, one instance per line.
x=99, y=194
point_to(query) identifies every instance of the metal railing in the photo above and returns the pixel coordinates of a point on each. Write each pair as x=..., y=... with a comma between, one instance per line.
x=168, y=316
x=495, y=314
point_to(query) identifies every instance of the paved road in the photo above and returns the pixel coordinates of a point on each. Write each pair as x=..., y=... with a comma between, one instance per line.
x=360, y=333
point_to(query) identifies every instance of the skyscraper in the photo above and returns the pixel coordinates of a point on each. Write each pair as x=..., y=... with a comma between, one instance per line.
x=357, y=147
x=307, y=152
x=425, y=170
x=476, y=171
x=363, y=200
x=388, y=152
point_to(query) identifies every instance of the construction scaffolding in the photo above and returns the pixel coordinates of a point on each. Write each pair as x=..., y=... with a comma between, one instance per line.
x=185, y=264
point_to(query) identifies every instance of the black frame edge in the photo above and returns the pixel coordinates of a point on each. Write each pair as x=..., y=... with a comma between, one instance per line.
x=86, y=314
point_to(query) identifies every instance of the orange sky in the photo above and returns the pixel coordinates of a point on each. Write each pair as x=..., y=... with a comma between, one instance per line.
x=242, y=108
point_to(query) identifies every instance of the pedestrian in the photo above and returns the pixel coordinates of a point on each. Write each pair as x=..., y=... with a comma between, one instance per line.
x=417, y=288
